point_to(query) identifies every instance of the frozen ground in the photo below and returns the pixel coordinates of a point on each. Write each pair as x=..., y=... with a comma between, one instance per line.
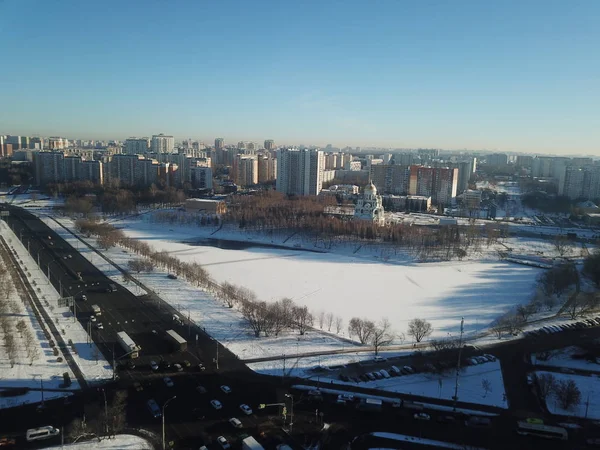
x=442, y=386
x=91, y=362
x=590, y=399
x=120, y=441
x=564, y=358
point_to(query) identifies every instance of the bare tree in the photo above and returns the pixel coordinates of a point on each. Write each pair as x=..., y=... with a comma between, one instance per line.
x=339, y=324
x=21, y=327
x=363, y=329
x=321, y=319
x=419, y=329
x=329, y=320
x=568, y=394
x=303, y=319
x=561, y=244
x=487, y=386
x=382, y=335
x=546, y=383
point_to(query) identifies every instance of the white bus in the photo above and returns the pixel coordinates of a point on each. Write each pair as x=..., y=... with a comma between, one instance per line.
x=543, y=431
x=128, y=345
x=37, y=434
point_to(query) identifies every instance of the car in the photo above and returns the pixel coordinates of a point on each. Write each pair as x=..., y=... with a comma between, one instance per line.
x=481, y=359
x=201, y=389
x=343, y=377
x=529, y=379
x=347, y=397
x=172, y=276
x=384, y=373
x=130, y=365
x=534, y=420
x=168, y=382
x=370, y=376
x=7, y=442
x=84, y=298
x=138, y=386
x=409, y=369
x=203, y=447
x=100, y=326
x=226, y=389
x=397, y=404
x=363, y=377
x=380, y=359
x=165, y=365
x=223, y=443
x=153, y=365
x=216, y=404
x=93, y=319
x=201, y=367
x=422, y=416
x=154, y=332
x=377, y=375
x=236, y=423
x=186, y=363
x=446, y=419
x=246, y=409
x=340, y=400
x=178, y=367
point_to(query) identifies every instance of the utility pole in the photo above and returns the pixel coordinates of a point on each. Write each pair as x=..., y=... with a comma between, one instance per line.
x=283, y=373
x=460, y=346
x=163, y=420
x=217, y=354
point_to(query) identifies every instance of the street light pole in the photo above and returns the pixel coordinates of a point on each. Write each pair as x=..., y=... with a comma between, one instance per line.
x=163, y=420
x=291, y=396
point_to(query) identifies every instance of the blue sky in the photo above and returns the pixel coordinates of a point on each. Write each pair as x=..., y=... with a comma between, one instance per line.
x=511, y=75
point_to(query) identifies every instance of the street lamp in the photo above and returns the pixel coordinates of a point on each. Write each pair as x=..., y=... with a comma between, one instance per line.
x=163, y=420
x=291, y=396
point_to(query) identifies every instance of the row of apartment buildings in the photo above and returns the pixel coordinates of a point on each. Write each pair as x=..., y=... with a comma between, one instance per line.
x=121, y=169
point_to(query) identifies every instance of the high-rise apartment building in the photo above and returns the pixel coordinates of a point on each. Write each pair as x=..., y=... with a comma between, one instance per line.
x=390, y=178
x=137, y=146
x=269, y=144
x=245, y=170
x=92, y=171
x=49, y=167
x=57, y=143
x=201, y=177
x=162, y=144
x=300, y=172
x=497, y=159
x=267, y=168
x=219, y=143
x=444, y=185
x=571, y=182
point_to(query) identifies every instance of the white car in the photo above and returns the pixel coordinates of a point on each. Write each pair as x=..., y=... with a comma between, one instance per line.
x=236, y=423
x=153, y=365
x=223, y=443
x=216, y=404
x=93, y=318
x=84, y=298
x=100, y=326
x=422, y=416
x=168, y=382
x=246, y=409
x=226, y=389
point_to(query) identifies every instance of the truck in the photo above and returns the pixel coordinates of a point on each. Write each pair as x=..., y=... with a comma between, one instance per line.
x=96, y=310
x=130, y=347
x=369, y=404
x=179, y=343
x=251, y=444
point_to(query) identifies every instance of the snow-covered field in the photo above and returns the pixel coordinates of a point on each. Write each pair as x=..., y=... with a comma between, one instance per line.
x=91, y=362
x=589, y=407
x=120, y=441
x=564, y=358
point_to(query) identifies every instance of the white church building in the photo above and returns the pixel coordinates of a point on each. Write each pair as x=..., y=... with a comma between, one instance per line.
x=370, y=206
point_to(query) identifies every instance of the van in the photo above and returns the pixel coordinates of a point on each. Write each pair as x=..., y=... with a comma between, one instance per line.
x=154, y=408
x=37, y=434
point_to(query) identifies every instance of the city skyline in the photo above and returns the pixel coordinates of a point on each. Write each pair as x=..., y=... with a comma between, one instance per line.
x=510, y=77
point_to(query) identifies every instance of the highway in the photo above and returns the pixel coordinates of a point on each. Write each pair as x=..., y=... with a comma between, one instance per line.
x=190, y=419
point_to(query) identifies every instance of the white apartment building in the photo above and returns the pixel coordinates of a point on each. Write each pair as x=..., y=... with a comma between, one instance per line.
x=300, y=172
x=137, y=146
x=162, y=144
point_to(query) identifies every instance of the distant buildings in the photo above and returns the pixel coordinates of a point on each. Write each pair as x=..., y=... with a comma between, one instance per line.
x=300, y=172
x=137, y=146
x=497, y=159
x=370, y=206
x=245, y=170
x=269, y=144
x=162, y=144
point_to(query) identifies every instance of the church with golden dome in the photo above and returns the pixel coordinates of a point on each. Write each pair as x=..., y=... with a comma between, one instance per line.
x=370, y=206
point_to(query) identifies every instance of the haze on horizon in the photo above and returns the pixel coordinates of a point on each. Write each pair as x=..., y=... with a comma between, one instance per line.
x=510, y=76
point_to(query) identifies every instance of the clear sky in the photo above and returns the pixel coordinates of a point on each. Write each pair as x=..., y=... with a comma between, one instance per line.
x=511, y=75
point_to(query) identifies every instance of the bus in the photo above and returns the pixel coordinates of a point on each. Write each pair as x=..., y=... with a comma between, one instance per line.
x=544, y=431
x=37, y=434
x=128, y=345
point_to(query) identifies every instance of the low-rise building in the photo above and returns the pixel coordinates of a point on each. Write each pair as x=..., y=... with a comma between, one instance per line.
x=205, y=205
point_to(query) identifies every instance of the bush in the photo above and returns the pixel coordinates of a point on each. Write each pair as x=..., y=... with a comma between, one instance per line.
x=59, y=359
x=55, y=351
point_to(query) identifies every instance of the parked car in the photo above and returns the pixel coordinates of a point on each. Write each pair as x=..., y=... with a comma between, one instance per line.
x=377, y=375
x=370, y=376
x=223, y=443
x=422, y=416
x=343, y=377
x=246, y=409
x=153, y=365
x=216, y=404
x=172, y=276
x=226, y=389
x=168, y=382
x=236, y=423
x=201, y=389
x=138, y=386
x=99, y=326
x=178, y=367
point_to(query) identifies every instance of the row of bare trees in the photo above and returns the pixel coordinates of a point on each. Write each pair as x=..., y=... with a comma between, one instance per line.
x=566, y=392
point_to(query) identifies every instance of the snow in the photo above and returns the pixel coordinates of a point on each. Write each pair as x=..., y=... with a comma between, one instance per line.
x=442, y=386
x=420, y=441
x=564, y=358
x=94, y=371
x=589, y=386
x=120, y=441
